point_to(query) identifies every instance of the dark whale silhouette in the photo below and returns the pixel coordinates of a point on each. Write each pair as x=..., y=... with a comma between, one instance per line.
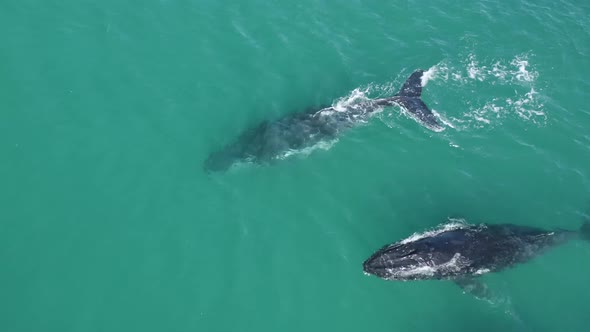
x=461, y=252
x=272, y=140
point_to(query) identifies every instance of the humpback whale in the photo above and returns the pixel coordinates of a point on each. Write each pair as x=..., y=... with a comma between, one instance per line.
x=272, y=140
x=461, y=252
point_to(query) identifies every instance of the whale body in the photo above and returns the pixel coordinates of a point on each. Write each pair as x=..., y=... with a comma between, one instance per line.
x=272, y=140
x=462, y=252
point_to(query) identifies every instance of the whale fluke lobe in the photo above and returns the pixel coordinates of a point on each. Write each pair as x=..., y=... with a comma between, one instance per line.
x=413, y=85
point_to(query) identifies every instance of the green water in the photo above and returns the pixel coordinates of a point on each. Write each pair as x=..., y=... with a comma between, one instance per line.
x=108, y=110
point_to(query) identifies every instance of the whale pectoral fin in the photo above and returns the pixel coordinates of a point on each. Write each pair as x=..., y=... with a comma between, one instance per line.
x=474, y=287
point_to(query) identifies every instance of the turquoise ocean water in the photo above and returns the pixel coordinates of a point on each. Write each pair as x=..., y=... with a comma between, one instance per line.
x=109, y=109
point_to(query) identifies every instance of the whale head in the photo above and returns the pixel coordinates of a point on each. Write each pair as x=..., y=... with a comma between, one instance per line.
x=435, y=257
x=391, y=261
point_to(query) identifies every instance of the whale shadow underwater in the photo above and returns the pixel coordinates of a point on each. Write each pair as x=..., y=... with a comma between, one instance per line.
x=462, y=253
x=273, y=140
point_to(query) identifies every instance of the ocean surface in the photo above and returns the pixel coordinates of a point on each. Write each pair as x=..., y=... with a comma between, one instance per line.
x=108, y=221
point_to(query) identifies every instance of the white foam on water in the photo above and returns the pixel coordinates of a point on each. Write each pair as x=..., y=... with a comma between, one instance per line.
x=428, y=75
x=443, y=119
x=496, y=72
x=481, y=271
x=478, y=118
x=353, y=99
x=321, y=145
x=524, y=101
x=499, y=71
x=474, y=70
x=454, y=145
x=522, y=74
x=452, y=225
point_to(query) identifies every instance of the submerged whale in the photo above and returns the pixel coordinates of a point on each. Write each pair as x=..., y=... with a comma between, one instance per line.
x=461, y=252
x=272, y=140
